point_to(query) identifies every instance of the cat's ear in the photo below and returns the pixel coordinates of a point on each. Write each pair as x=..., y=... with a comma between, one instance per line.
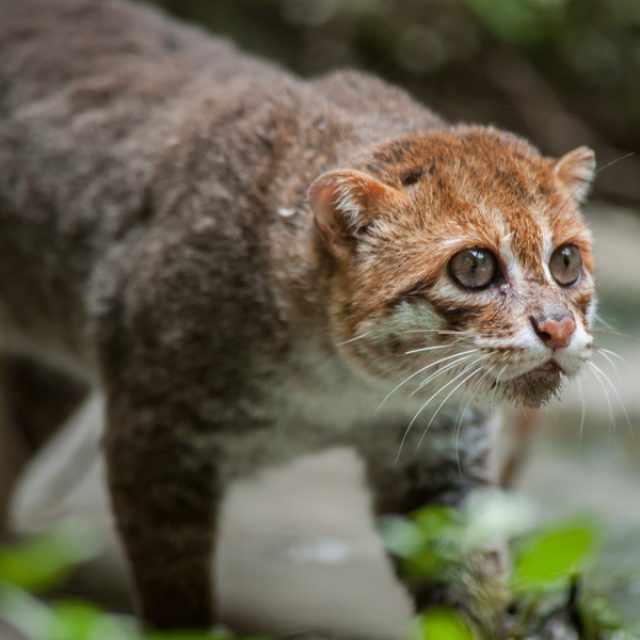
x=344, y=203
x=576, y=171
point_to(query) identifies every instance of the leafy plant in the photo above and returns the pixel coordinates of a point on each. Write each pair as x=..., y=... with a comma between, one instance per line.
x=545, y=559
x=545, y=576
x=47, y=559
x=546, y=565
x=442, y=624
x=45, y=562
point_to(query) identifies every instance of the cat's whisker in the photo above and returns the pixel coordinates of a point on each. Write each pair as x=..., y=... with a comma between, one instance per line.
x=443, y=331
x=355, y=338
x=566, y=201
x=422, y=349
x=432, y=397
x=418, y=372
x=605, y=323
x=614, y=366
x=477, y=385
x=617, y=394
x=468, y=333
x=443, y=402
x=473, y=392
x=439, y=372
x=613, y=354
x=462, y=334
x=615, y=333
x=620, y=159
x=459, y=354
x=497, y=382
x=583, y=409
x=408, y=429
x=596, y=375
x=450, y=332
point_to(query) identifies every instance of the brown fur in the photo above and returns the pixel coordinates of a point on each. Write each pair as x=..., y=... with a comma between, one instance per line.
x=205, y=237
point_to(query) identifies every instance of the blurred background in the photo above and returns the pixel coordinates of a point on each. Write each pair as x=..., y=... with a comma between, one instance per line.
x=561, y=72
x=297, y=546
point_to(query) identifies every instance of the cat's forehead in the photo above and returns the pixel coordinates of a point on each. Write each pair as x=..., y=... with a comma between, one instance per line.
x=489, y=188
x=460, y=149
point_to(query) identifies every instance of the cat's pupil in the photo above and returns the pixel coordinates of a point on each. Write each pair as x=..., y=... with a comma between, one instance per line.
x=566, y=265
x=473, y=268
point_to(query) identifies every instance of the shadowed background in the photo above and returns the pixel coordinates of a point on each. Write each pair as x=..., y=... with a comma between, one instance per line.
x=561, y=72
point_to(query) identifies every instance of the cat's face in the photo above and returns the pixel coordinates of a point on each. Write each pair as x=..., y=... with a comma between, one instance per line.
x=462, y=263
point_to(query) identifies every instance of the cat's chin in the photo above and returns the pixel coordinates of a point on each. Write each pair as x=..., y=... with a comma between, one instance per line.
x=534, y=388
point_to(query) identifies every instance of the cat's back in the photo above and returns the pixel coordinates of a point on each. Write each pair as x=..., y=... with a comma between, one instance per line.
x=113, y=117
x=52, y=43
x=92, y=94
x=88, y=88
x=97, y=97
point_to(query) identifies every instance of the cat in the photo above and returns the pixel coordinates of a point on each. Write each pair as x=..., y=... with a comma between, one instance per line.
x=251, y=266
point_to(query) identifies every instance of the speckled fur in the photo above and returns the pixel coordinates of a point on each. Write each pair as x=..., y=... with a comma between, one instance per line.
x=157, y=236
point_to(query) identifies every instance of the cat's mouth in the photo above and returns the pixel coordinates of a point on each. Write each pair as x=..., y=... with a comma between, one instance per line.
x=533, y=388
x=550, y=366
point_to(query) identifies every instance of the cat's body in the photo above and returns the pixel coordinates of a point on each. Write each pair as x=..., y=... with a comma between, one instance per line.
x=157, y=236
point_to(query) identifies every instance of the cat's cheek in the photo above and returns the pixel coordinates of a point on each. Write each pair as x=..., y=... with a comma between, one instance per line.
x=405, y=317
x=586, y=304
x=381, y=343
x=475, y=313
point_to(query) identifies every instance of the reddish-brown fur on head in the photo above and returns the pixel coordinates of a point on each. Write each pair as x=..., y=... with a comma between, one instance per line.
x=395, y=220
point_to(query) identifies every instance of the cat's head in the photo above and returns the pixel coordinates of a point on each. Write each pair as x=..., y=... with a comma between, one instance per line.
x=461, y=261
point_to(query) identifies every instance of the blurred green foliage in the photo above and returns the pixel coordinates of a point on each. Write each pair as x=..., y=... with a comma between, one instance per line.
x=545, y=570
x=43, y=563
x=48, y=558
x=546, y=567
x=546, y=557
x=77, y=620
x=443, y=624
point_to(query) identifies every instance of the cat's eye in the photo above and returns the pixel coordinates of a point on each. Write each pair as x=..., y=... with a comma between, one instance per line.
x=566, y=265
x=473, y=268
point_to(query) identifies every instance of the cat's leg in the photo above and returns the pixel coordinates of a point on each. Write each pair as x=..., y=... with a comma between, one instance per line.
x=443, y=471
x=165, y=486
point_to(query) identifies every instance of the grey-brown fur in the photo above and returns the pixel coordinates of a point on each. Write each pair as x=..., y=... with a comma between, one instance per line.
x=142, y=168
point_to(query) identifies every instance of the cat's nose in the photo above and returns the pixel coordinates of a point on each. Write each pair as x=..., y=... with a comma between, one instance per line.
x=554, y=331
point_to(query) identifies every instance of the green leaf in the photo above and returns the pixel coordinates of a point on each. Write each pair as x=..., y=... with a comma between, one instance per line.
x=438, y=522
x=546, y=558
x=67, y=620
x=44, y=561
x=202, y=635
x=23, y=612
x=81, y=621
x=188, y=635
x=493, y=516
x=427, y=563
x=443, y=624
x=401, y=536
